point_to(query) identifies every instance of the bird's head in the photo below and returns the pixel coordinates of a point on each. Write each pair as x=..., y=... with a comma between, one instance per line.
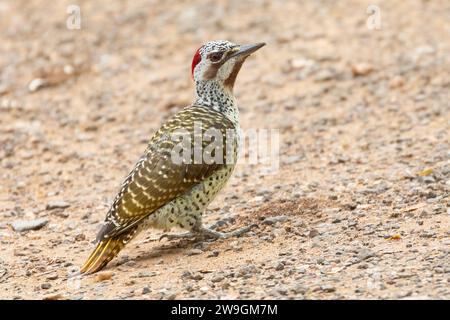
x=220, y=61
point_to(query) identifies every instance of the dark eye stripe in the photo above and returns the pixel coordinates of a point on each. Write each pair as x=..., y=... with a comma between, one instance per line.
x=215, y=56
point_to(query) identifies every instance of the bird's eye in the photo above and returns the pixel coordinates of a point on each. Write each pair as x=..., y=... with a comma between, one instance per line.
x=215, y=56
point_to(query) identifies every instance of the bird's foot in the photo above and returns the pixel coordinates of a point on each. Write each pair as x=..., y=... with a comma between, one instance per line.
x=209, y=233
x=186, y=235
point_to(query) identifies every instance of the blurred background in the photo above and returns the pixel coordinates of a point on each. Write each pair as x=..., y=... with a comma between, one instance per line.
x=359, y=92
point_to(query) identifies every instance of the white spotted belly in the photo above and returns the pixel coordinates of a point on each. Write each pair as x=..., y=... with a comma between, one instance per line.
x=186, y=211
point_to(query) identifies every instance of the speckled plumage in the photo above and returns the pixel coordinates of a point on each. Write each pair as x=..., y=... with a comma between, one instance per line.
x=162, y=193
x=157, y=184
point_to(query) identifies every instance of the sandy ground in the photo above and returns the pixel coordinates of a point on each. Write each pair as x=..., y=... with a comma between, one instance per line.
x=359, y=207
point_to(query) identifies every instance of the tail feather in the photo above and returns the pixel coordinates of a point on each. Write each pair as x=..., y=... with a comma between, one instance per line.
x=105, y=251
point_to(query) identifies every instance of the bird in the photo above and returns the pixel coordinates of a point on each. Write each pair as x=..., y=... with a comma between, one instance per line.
x=171, y=186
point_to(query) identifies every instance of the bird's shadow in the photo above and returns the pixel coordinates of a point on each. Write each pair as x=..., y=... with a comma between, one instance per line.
x=166, y=249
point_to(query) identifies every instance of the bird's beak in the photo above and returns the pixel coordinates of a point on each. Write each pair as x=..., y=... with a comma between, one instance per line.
x=245, y=50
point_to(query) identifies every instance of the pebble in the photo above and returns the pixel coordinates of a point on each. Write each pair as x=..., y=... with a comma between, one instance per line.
x=301, y=270
x=327, y=288
x=204, y=289
x=57, y=205
x=103, y=276
x=273, y=220
x=313, y=233
x=194, y=252
x=213, y=254
x=279, y=266
x=191, y=276
x=25, y=225
x=56, y=296
x=325, y=75
x=396, y=82
x=36, y=84
x=172, y=295
x=299, y=289
x=349, y=206
x=361, y=69
x=218, y=278
x=247, y=270
x=80, y=237
x=282, y=290
x=46, y=286
x=364, y=254
x=52, y=276
x=145, y=274
x=60, y=213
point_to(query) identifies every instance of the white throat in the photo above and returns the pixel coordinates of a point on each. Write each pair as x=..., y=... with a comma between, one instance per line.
x=213, y=94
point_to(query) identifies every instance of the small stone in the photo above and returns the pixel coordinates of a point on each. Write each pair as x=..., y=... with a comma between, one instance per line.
x=130, y=263
x=36, y=84
x=300, y=63
x=279, y=266
x=61, y=213
x=396, y=82
x=299, y=289
x=57, y=205
x=80, y=237
x=213, y=254
x=204, y=289
x=194, y=252
x=349, y=206
x=313, y=233
x=282, y=290
x=196, y=277
x=25, y=225
x=172, y=296
x=325, y=75
x=273, y=220
x=327, y=288
x=217, y=278
x=320, y=260
x=361, y=69
x=130, y=283
x=57, y=296
x=236, y=247
x=46, y=286
x=247, y=271
x=146, y=290
x=364, y=254
x=106, y=275
x=53, y=276
x=301, y=270
x=145, y=274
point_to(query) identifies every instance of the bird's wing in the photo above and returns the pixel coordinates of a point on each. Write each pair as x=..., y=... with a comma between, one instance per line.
x=157, y=179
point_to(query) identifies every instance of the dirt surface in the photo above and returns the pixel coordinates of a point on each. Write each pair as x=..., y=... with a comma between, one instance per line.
x=359, y=207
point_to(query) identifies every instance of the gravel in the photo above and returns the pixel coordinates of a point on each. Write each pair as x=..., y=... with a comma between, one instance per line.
x=356, y=208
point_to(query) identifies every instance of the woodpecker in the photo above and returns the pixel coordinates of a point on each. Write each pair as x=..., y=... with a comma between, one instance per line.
x=163, y=192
